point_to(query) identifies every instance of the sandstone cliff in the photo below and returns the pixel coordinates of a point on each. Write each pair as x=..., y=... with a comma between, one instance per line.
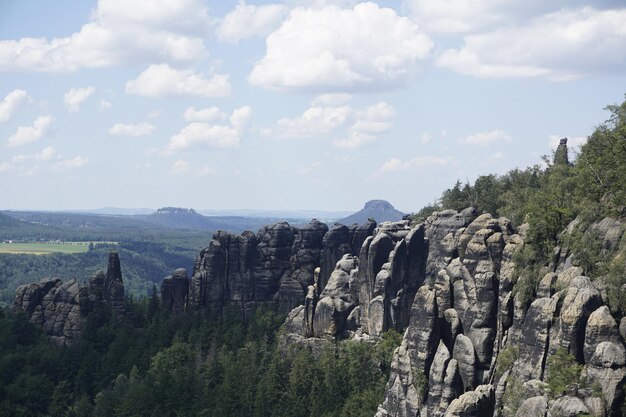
x=449, y=285
x=61, y=309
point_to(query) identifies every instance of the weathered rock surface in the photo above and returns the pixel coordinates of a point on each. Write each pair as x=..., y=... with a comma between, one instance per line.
x=61, y=309
x=533, y=407
x=275, y=265
x=175, y=291
x=476, y=403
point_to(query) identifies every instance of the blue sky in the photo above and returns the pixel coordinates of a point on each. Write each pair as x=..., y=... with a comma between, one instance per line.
x=295, y=105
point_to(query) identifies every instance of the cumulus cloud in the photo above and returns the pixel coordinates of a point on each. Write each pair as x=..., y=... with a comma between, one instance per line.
x=118, y=32
x=74, y=98
x=212, y=135
x=21, y=161
x=333, y=115
x=45, y=154
x=397, y=165
x=28, y=134
x=564, y=45
x=180, y=167
x=247, y=20
x=204, y=170
x=135, y=130
x=336, y=49
x=485, y=138
x=105, y=104
x=462, y=16
x=76, y=162
x=11, y=103
x=161, y=80
x=210, y=114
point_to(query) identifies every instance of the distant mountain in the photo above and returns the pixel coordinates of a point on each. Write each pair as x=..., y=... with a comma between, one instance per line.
x=183, y=218
x=303, y=215
x=178, y=218
x=379, y=210
x=117, y=211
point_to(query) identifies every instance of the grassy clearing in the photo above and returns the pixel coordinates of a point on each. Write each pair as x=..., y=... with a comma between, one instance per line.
x=45, y=248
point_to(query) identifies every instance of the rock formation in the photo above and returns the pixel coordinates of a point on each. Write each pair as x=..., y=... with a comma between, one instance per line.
x=61, y=309
x=175, y=291
x=448, y=284
x=275, y=265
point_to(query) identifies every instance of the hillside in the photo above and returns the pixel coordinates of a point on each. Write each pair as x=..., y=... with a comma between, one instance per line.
x=379, y=210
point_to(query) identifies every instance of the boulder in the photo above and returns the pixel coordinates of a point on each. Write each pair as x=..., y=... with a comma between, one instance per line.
x=533, y=407
x=477, y=403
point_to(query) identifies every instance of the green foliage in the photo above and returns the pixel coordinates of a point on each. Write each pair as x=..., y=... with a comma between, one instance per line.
x=506, y=359
x=143, y=262
x=424, y=212
x=420, y=382
x=563, y=373
x=514, y=395
x=206, y=364
x=616, y=283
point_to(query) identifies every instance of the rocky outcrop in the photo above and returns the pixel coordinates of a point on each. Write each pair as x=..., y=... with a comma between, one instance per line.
x=449, y=285
x=175, y=291
x=275, y=265
x=470, y=266
x=114, y=285
x=61, y=309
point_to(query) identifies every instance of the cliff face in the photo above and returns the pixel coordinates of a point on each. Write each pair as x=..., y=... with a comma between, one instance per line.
x=61, y=308
x=275, y=265
x=448, y=284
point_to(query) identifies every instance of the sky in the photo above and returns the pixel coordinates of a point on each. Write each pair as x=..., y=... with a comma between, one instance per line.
x=304, y=104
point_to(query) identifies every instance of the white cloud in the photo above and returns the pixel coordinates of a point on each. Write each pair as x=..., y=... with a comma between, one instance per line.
x=180, y=167
x=315, y=121
x=29, y=134
x=75, y=97
x=118, y=32
x=211, y=135
x=426, y=137
x=105, y=104
x=11, y=103
x=161, y=80
x=563, y=45
x=247, y=20
x=336, y=49
x=397, y=165
x=135, y=130
x=45, y=154
x=485, y=138
x=463, y=16
x=331, y=114
x=204, y=170
x=240, y=118
x=210, y=114
x=336, y=99
x=573, y=142
x=320, y=4
x=76, y=162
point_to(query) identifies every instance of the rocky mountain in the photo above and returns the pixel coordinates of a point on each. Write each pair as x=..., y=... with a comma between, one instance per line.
x=379, y=210
x=275, y=265
x=448, y=284
x=61, y=309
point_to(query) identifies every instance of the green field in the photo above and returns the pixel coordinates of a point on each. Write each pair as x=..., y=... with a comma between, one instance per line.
x=45, y=248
